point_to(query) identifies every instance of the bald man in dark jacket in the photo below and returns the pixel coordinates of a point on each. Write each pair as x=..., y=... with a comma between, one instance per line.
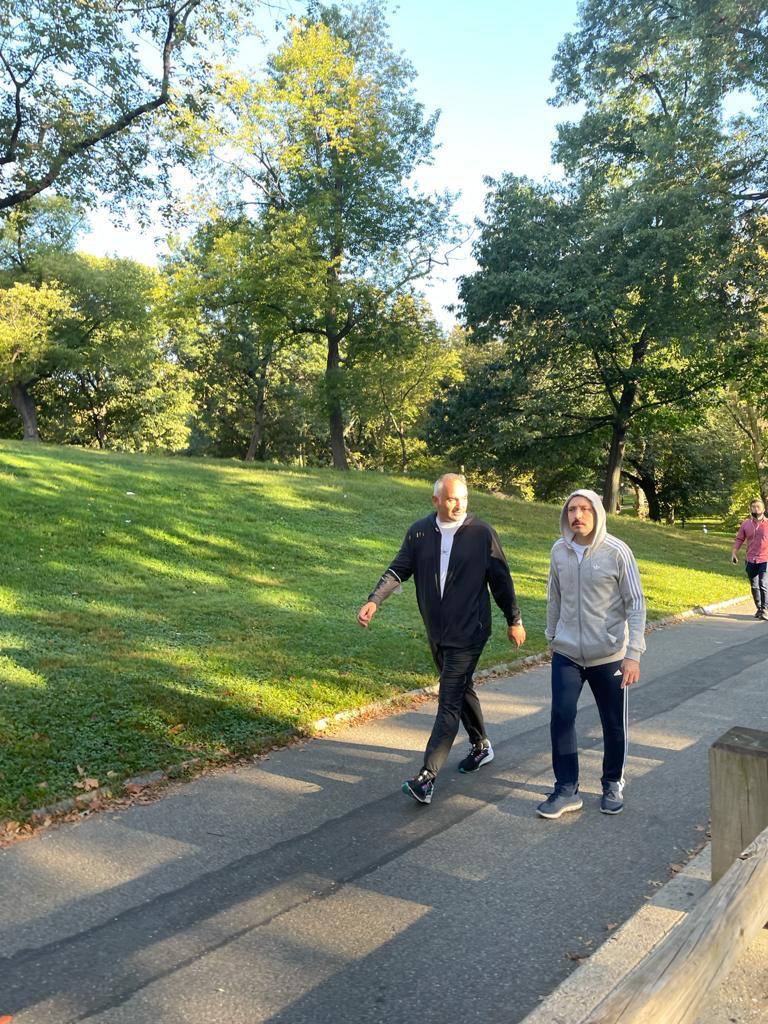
x=456, y=562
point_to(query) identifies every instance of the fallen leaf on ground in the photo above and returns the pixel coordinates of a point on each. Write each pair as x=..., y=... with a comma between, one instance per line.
x=87, y=784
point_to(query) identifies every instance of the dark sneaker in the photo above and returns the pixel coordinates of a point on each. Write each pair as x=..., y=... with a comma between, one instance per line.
x=764, y=614
x=480, y=754
x=420, y=788
x=759, y=613
x=612, y=801
x=558, y=803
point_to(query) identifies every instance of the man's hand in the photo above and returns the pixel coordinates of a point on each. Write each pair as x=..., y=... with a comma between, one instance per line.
x=630, y=672
x=516, y=634
x=366, y=613
x=734, y=559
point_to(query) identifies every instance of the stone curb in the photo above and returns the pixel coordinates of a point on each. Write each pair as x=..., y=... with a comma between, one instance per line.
x=321, y=725
x=84, y=799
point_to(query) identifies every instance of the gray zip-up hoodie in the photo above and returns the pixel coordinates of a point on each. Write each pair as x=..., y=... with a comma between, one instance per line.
x=596, y=609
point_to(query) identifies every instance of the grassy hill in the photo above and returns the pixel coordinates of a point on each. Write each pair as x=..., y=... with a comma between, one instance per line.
x=153, y=610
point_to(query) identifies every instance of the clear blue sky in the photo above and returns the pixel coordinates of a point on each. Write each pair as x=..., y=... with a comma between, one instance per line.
x=486, y=65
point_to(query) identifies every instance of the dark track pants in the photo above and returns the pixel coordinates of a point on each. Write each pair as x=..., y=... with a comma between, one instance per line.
x=568, y=680
x=457, y=702
x=757, y=573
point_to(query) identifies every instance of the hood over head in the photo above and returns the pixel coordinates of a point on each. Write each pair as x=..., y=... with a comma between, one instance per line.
x=600, y=518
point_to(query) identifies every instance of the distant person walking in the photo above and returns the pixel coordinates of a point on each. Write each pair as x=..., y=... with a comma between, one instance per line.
x=595, y=627
x=755, y=532
x=454, y=559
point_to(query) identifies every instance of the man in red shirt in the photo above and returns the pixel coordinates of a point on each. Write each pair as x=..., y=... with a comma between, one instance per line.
x=755, y=532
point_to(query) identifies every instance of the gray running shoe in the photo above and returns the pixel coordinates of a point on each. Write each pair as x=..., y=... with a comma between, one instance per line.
x=558, y=803
x=759, y=613
x=478, y=755
x=612, y=801
x=764, y=614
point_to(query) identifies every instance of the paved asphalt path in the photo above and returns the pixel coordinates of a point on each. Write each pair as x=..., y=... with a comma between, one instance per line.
x=306, y=889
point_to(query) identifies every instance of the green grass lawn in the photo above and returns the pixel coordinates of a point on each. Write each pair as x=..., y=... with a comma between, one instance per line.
x=153, y=610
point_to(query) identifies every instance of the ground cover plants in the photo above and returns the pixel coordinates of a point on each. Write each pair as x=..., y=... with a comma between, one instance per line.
x=154, y=610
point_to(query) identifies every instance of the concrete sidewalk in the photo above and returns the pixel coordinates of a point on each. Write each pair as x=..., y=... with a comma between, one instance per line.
x=307, y=888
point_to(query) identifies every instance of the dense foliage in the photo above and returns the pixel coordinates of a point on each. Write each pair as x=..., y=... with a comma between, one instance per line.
x=614, y=330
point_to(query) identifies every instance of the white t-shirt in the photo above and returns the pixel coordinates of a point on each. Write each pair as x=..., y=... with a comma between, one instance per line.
x=447, y=533
x=579, y=549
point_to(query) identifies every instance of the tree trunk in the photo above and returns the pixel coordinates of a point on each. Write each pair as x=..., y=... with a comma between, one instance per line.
x=641, y=502
x=335, y=415
x=644, y=482
x=25, y=407
x=403, y=451
x=613, y=469
x=253, y=444
x=98, y=429
x=623, y=407
x=256, y=444
x=654, y=505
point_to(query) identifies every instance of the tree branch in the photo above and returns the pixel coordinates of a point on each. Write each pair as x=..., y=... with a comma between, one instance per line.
x=177, y=20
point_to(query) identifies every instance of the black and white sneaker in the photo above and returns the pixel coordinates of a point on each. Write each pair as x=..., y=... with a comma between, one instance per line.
x=480, y=754
x=420, y=788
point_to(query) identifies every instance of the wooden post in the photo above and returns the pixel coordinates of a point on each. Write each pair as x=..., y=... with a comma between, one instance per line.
x=738, y=787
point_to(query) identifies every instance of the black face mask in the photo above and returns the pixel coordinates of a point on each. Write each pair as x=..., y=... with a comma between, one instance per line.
x=756, y=515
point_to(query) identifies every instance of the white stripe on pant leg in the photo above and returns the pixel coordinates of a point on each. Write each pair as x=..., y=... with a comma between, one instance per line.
x=626, y=736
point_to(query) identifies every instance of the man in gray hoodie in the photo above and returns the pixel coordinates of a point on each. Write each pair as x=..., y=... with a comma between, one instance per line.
x=595, y=627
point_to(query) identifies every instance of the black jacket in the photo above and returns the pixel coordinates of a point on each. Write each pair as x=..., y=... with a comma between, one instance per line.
x=462, y=617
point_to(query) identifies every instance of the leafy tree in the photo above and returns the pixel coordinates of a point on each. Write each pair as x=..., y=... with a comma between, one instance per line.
x=119, y=386
x=331, y=140
x=394, y=375
x=497, y=422
x=102, y=371
x=643, y=270
x=29, y=235
x=29, y=317
x=688, y=466
x=655, y=78
x=32, y=232
x=614, y=304
x=84, y=82
x=228, y=294
x=749, y=415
